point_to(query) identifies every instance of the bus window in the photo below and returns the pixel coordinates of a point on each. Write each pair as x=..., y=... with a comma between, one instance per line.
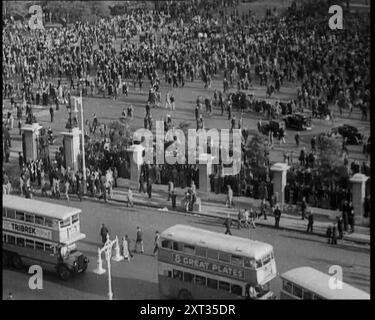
x=29, y=218
x=316, y=297
x=30, y=244
x=189, y=249
x=50, y=222
x=224, y=286
x=11, y=214
x=212, y=283
x=225, y=257
x=236, y=289
x=259, y=263
x=266, y=259
x=212, y=254
x=307, y=295
x=39, y=220
x=4, y=212
x=237, y=260
x=75, y=218
x=20, y=216
x=39, y=245
x=177, y=246
x=167, y=273
x=188, y=277
x=287, y=286
x=20, y=242
x=11, y=239
x=177, y=274
x=297, y=291
x=200, y=280
x=4, y=238
x=48, y=247
x=200, y=252
x=65, y=223
x=166, y=244
x=249, y=263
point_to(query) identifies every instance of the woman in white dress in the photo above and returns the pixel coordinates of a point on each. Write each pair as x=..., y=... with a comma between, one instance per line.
x=125, y=249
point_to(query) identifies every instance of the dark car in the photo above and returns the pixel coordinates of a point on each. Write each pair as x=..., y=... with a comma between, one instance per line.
x=298, y=121
x=240, y=100
x=274, y=126
x=351, y=133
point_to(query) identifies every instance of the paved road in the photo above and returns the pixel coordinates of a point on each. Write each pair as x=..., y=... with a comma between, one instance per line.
x=138, y=279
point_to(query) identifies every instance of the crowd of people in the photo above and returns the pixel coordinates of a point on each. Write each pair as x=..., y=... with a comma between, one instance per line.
x=180, y=44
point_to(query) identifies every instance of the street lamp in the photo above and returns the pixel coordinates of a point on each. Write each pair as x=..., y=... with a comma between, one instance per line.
x=107, y=249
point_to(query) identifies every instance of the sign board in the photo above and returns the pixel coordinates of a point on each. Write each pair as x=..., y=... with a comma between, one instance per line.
x=27, y=229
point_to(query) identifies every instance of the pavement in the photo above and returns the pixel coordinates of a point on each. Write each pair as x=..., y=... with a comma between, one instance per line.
x=213, y=205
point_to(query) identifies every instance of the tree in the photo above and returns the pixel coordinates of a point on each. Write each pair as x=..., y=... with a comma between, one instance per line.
x=329, y=161
x=256, y=151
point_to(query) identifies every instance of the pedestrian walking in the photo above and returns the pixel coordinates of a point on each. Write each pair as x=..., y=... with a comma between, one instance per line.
x=174, y=197
x=229, y=202
x=277, y=215
x=263, y=211
x=67, y=186
x=104, y=233
x=139, y=241
x=156, y=243
x=228, y=224
x=252, y=216
x=310, y=223
x=51, y=112
x=149, y=188
x=130, y=198
x=329, y=234
x=303, y=208
x=340, y=227
x=334, y=235
x=125, y=249
x=351, y=219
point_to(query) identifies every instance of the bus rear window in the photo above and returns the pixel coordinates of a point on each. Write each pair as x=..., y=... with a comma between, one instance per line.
x=166, y=244
x=65, y=223
x=75, y=218
x=297, y=291
x=287, y=286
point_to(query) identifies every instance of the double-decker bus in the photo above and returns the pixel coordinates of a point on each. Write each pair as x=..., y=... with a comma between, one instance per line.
x=200, y=264
x=306, y=283
x=42, y=233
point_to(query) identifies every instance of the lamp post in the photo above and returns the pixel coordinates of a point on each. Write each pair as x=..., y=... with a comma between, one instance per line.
x=83, y=147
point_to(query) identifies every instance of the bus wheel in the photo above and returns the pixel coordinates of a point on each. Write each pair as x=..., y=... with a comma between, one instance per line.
x=63, y=272
x=184, y=295
x=17, y=262
x=5, y=260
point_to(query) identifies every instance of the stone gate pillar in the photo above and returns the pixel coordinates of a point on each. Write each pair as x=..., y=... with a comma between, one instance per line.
x=279, y=171
x=358, y=195
x=30, y=138
x=71, y=143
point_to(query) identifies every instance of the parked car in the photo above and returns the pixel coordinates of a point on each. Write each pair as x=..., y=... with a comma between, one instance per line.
x=298, y=121
x=351, y=133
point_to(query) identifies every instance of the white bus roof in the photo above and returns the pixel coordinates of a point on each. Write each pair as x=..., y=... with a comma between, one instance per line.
x=217, y=241
x=42, y=208
x=318, y=282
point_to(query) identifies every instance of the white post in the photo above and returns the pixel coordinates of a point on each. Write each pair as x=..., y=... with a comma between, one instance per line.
x=117, y=257
x=100, y=269
x=108, y=256
x=83, y=147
